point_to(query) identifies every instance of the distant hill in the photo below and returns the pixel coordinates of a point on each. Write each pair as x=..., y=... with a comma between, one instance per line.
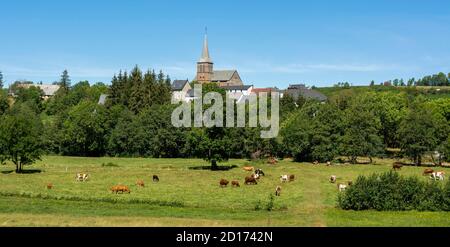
x=427, y=91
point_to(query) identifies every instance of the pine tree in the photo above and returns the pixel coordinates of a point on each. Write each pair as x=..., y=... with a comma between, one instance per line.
x=65, y=81
x=137, y=92
x=114, y=90
x=1, y=80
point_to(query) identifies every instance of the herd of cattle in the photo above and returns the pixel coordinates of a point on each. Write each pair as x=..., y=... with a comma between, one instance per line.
x=256, y=176
x=435, y=175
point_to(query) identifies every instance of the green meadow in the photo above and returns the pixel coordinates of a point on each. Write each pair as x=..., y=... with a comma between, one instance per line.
x=187, y=197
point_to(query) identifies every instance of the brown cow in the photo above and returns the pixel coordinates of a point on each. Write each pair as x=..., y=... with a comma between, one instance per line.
x=140, y=183
x=291, y=177
x=427, y=171
x=49, y=186
x=250, y=180
x=397, y=165
x=248, y=168
x=223, y=183
x=235, y=183
x=120, y=188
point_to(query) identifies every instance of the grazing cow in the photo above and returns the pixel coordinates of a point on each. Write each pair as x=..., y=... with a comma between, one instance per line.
x=342, y=187
x=284, y=178
x=223, y=183
x=120, y=188
x=333, y=179
x=235, y=184
x=278, y=191
x=140, y=183
x=328, y=163
x=291, y=177
x=259, y=172
x=49, y=186
x=437, y=175
x=81, y=177
x=155, y=178
x=250, y=180
x=248, y=168
x=316, y=162
x=397, y=165
x=427, y=171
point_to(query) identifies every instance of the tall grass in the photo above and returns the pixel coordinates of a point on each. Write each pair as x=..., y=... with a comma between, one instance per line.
x=93, y=199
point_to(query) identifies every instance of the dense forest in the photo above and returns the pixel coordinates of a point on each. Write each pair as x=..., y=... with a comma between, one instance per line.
x=135, y=121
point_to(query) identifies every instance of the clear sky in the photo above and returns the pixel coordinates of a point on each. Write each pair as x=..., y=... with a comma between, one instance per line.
x=270, y=43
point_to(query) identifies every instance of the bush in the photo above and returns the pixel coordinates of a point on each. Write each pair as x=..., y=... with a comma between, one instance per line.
x=109, y=164
x=392, y=192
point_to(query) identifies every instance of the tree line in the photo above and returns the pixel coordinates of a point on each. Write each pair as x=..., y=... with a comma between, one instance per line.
x=135, y=121
x=439, y=79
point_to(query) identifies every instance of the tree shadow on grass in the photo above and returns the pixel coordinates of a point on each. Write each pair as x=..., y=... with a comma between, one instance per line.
x=31, y=171
x=217, y=168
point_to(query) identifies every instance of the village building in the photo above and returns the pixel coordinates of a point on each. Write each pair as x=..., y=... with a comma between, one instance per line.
x=297, y=90
x=268, y=90
x=180, y=89
x=231, y=81
x=48, y=89
x=207, y=74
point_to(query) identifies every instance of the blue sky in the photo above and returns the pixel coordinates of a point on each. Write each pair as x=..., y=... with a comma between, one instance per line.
x=271, y=43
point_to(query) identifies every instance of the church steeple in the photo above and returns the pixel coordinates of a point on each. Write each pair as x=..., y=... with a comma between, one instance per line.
x=205, y=52
x=205, y=64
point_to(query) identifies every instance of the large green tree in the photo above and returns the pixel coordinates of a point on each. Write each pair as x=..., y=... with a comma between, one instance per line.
x=20, y=139
x=360, y=133
x=421, y=130
x=312, y=133
x=84, y=130
x=31, y=96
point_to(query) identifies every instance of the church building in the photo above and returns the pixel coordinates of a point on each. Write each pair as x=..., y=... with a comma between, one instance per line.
x=207, y=74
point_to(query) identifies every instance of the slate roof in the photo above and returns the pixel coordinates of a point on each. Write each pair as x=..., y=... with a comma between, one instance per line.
x=178, y=85
x=222, y=75
x=300, y=89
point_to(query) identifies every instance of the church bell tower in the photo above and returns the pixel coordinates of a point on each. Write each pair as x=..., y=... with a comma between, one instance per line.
x=205, y=65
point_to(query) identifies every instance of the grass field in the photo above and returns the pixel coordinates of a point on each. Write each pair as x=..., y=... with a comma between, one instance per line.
x=185, y=197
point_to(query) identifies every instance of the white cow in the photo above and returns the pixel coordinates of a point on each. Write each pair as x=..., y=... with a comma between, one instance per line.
x=284, y=178
x=82, y=177
x=437, y=175
x=342, y=187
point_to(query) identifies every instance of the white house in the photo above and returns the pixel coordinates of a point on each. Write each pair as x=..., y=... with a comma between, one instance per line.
x=180, y=89
x=236, y=92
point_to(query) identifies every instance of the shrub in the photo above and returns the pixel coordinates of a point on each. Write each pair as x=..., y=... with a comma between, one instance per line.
x=109, y=164
x=271, y=203
x=392, y=192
